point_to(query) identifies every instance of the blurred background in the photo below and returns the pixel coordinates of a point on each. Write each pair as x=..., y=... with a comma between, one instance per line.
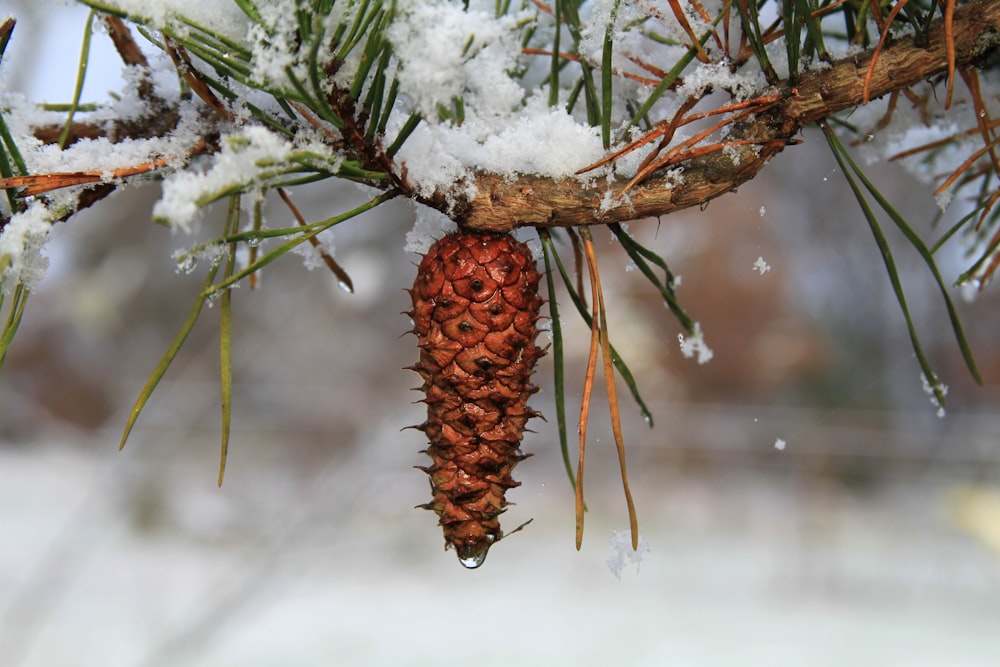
x=872, y=537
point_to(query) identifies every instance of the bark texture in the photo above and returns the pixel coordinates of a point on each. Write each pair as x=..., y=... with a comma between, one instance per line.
x=475, y=311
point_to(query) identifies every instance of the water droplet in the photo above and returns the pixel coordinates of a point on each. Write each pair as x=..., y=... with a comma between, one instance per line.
x=255, y=241
x=186, y=264
x=345, y=286
x=472, y=552
x=474, y=561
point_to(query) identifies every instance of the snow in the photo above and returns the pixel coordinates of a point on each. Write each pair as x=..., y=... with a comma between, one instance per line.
x=447, y=52
x=429, y=225
x=21, y=242
x=704, y=77
x=223, y=17
x=273, y=44
x=621, y=545
x=536, y=140
x=761, y=266
x=249, y=156
x=279, y=569
x=932, y=389
x=695, y=346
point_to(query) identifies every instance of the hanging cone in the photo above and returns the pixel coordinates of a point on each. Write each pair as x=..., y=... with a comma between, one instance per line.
x=475, y=310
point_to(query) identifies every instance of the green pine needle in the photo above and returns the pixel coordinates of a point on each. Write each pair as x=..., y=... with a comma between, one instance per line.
x=226, y=341
x=558, y=359
x=168, y=357
x=81, y=75
x=839, y=153
x=924, y=252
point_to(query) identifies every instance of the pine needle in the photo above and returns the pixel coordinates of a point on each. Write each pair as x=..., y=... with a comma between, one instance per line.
x=609, y=379
x=168, y=356
x=81, y=75
x=226, y=339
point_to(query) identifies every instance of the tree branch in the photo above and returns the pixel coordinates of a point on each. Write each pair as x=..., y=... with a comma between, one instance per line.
x=502, y=204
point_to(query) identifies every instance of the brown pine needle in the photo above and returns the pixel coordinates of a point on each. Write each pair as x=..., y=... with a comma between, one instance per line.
x=878, y=48
x=987, y=207
x=965, y=165
x=336, y=269
x=182, y=61
x=983, y=120
x=575, y=58
x=609, y=379
x=938, y=143
x=574, y=239
x=314, y=121
x=698, y=7
x=681, y=17
x=988, y=272
x=588, y=389
x=125, y=44
x=36, y=184
x=667, y=129
x=949, y=41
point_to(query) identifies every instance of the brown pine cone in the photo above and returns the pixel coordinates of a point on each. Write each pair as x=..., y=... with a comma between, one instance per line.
x=475, y=309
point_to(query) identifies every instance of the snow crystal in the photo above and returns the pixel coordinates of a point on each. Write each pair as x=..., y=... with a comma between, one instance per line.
x=621, y=544
x=538, y=140
x=743, y=84
x=245, y=155
x=932, y=389
x=220, y=16
x=621, y=16
x=273, y=44
x=429, y=226
x=447, y=52
x=21, y=242
x=761, y=266
x=780, y=444
x=695, y=345
x=943, y=199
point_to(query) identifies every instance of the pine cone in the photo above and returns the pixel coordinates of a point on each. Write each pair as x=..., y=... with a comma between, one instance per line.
x=475, y=309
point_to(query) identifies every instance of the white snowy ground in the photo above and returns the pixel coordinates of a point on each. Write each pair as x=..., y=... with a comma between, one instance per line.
x=136, y=559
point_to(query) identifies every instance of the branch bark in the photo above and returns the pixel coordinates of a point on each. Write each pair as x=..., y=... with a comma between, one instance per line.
x=501, y=205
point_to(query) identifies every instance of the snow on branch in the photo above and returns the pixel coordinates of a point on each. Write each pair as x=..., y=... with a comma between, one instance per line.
x=502, y=203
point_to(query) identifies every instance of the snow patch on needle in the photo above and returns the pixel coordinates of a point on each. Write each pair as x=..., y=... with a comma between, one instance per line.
x=933, y=390
x=695, y=346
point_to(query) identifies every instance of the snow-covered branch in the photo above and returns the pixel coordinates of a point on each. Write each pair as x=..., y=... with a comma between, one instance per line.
x=502, y=203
